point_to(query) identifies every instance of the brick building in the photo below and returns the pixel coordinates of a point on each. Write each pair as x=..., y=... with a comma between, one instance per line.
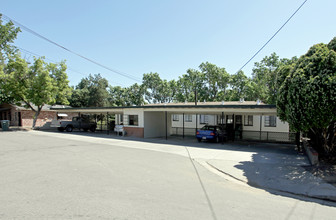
x=21, y=116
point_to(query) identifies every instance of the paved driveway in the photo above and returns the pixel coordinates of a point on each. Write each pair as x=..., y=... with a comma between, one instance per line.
x=69, y=176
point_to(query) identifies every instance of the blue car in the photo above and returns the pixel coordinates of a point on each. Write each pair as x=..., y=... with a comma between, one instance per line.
x=211, y=133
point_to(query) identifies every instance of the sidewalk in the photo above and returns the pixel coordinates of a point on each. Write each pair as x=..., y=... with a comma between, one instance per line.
x=283, y=172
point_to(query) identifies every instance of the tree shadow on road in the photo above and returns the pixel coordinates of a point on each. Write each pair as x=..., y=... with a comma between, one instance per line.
x=287, y=175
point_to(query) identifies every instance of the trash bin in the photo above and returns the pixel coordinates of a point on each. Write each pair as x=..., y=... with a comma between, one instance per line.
x=5, y=125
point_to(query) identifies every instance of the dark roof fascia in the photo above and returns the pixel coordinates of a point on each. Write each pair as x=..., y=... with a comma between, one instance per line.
x=174, y=106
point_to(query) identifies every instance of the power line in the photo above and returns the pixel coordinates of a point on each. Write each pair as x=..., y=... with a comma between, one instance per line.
x=70, y=51
x=272, y=36
x=69, y=68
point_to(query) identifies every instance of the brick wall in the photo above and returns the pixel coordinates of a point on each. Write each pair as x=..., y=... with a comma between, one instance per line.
x=43, y=118
x=134, y=131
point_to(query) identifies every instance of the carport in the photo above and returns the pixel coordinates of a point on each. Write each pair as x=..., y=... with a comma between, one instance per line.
x=245, y=120
x=105, y=117
x=242, y=120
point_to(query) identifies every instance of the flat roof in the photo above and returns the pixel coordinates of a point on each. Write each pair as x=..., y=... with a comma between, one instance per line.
x=187, y=105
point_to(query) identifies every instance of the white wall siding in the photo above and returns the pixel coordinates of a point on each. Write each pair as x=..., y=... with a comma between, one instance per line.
x=138, y=112
x=280, y=125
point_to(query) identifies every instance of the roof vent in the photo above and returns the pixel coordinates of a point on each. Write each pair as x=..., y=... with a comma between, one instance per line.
x=222, y=102
x=204, y=101
x=258, y=102
x=242, y=100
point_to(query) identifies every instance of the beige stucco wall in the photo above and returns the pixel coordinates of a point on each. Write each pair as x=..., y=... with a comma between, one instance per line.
x=154, y=124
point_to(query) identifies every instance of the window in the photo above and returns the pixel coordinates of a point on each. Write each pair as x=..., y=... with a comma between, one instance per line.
x=229, y=119
x=133, y=120
x=270, y=121
x=176, y=117
x=248, y=120
x=121, y=118
x=204, y=119
x=188, y=118
x=238, y=119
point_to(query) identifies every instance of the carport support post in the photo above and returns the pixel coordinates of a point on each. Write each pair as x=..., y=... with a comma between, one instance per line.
x=101, y=122
x=260, y=127
x=222, y=127
x=234, y=128
x=166, y=123
x=183, y=125
x=196, y=125
x=107, y=123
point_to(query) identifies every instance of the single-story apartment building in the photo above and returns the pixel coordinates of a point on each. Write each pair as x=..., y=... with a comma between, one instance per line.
x=247, y=120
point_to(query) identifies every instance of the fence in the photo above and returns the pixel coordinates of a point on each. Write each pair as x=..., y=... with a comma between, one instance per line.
x=267, y=136
x=262, y=136
x=178, y=131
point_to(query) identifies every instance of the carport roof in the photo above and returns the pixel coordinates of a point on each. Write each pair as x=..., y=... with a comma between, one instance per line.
x=187, y=105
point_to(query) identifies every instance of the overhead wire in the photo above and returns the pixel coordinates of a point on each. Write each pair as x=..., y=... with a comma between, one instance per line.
x=272, y=36
x=69, y=68
x=71, y=51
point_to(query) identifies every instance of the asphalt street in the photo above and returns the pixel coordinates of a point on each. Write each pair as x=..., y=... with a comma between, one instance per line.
x=68, y=176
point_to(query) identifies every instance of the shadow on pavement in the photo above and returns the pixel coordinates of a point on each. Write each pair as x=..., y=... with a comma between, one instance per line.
x=287, y=175
x=189, y=141
x=276, y=168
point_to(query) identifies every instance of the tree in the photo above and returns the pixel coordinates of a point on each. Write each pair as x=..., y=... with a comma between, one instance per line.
x=265, y=76
x=90, y=92
x=307, y=97
x=36, y=85
x=8, y=34
x=240, y=84
x=117, y=96
x=134, y=95
x=152, y=85
x=216, y=80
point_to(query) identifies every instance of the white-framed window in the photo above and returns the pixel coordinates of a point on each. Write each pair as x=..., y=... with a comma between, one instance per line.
x=204, y=119
x=229, y=119
x=176, y=117
x=270, y=121
x=248, y=120
x=188, y=118
x=133, y=120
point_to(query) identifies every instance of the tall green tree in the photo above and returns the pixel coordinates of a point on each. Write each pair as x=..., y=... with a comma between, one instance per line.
x=240, y=85
x=216, y=80
x=307, y=97
x=134, y=95
x=117, y=96
x=36, y=85
x=153, y=87
x=264, y=76
x=90, y=92
x=8, y=34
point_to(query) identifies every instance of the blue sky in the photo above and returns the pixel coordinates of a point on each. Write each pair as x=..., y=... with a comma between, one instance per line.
x=167, y=37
